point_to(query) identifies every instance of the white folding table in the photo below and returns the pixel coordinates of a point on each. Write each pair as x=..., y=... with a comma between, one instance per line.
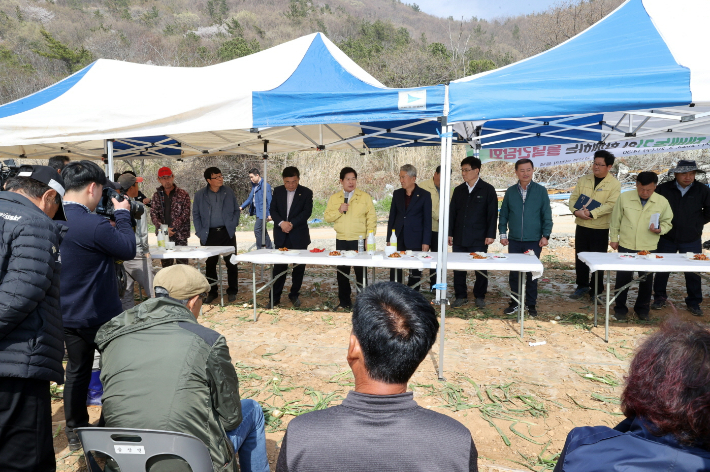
x=457, y=261
x=611, y=261
x=196, y=252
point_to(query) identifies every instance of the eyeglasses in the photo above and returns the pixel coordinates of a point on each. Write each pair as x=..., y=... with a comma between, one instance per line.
x=165, y=177
x=219, y=177
x=467, y=170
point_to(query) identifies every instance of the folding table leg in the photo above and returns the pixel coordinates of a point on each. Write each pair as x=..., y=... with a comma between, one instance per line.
x=253, y=285
x=596, y=278
x=219, y=280
x=442, y=334
x=608, y=302
x=521, y=277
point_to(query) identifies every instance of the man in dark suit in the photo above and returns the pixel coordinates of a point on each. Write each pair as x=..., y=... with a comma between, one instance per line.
x=472, y=226
x=410, y=219
x=291, y=206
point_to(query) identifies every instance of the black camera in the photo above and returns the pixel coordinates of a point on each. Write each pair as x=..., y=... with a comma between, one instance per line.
x=105, y=207
x=8, y=170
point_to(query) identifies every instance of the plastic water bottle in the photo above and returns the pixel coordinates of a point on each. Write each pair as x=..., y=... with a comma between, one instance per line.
x=371, y=243
x=393, y=240
x=161, y=238
x=360, y=244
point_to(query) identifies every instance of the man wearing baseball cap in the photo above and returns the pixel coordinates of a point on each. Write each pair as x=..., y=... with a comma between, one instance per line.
x=140, y=268
x=162, y=370
x=31, y=338
x=690, y=202
x=171, y=206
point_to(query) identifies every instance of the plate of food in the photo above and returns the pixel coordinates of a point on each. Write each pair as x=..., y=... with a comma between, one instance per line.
x=499, y=256
x=627, y=256
x=529, y=252
x=700, y=257
x=395, y=255
x=423, y=255
x=291, y=252
x=350, y=253
x=315, y=249
x=477, y=255
x=335, y=254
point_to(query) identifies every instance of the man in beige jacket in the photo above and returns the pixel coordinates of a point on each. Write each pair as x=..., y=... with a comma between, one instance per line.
x=599, y=190
x=354, y=215
x=432, y=186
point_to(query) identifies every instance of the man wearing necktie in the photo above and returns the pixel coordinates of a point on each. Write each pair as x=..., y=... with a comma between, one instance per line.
x=291, y=206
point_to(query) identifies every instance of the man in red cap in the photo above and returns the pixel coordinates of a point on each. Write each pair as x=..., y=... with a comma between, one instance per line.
x=171, y=206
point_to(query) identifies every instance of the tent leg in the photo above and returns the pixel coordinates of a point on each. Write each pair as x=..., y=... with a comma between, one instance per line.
x=263, y=197
x=108, y=145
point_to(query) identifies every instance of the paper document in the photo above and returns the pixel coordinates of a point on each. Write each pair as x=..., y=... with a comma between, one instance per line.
x=655, y=220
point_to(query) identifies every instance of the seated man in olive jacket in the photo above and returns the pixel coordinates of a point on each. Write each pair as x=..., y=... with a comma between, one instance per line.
x=161, y=370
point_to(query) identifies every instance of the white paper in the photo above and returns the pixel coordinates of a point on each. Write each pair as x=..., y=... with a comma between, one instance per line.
x=655, y=220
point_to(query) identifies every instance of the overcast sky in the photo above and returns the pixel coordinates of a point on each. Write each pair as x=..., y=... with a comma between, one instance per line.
x=486, y=9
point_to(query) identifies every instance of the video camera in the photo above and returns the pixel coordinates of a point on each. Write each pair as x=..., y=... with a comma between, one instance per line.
x=105, y=207
x=8, y=170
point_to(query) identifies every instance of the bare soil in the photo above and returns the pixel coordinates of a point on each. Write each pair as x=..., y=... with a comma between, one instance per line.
x=518, y=401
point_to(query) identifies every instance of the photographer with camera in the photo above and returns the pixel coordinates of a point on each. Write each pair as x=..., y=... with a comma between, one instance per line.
x=139, y=269
x=89, y=287
x=31, y=346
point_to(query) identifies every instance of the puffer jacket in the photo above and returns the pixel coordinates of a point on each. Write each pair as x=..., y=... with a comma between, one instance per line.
x=31, y=331
x=161, y=370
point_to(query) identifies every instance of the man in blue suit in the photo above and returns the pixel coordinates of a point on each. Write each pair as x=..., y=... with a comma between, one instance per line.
x=255, y=202
x=291, y=207
x=410, y=219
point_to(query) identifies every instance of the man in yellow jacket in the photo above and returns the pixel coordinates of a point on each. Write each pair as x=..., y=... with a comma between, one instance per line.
x=432, y=186
x=592, y=202
x=354, y=215
x=639, y=219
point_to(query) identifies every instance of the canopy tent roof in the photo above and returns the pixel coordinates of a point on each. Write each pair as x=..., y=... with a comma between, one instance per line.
x=637, y=77
x=304, y=94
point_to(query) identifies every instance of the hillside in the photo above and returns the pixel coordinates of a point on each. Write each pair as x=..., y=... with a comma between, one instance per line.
x=44, y=41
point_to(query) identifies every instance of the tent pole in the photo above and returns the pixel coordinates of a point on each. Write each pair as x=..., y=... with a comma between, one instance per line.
x=263, y=195
x=108, y=144
x=442, y=255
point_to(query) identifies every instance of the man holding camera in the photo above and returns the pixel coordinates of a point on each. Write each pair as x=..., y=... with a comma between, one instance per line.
x=89, y=287
x=140, y=268
x=31, y=347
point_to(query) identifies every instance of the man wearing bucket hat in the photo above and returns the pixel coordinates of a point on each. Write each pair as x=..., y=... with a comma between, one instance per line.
x=171, y=207
x=162, y=370
x=690, y=202
x=31, y=338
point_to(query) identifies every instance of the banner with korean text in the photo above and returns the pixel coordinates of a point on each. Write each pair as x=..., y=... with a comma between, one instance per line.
x=558, y=154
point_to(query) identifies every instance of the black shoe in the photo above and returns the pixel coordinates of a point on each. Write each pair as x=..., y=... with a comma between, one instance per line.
x=343, y=308
x=296, y=302
x=232, y=297
x=643, y=316
x=210, y=298
x=532, y=311
x=459, y=302
x=620, y=316
x=270, y=306
x=657, y=305
x=695, y=310
x=579, y=293
x=73, y=439
x=511, y=310
x=480, y=303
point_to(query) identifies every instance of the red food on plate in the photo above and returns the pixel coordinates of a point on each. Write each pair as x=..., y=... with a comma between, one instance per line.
x=315, y=249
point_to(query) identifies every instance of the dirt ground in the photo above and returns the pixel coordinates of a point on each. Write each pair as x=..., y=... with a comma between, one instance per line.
x=519, y=401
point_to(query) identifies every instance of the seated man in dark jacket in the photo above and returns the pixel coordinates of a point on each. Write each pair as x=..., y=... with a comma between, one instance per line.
x=667, y=425
x=379, y=427
x=161, y=370
x=31, y=341
x=690, y=202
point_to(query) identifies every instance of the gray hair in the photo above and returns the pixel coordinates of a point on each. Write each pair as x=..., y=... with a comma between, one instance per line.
x=161, y=292
x=409, y=169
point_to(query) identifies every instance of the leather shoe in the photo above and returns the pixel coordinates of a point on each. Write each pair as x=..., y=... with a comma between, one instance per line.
x=73, y=439
x=232, y=297
x=459, y=302
x=480, y=303
x=296, y=302
x=210, y=298
x=695, y=310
